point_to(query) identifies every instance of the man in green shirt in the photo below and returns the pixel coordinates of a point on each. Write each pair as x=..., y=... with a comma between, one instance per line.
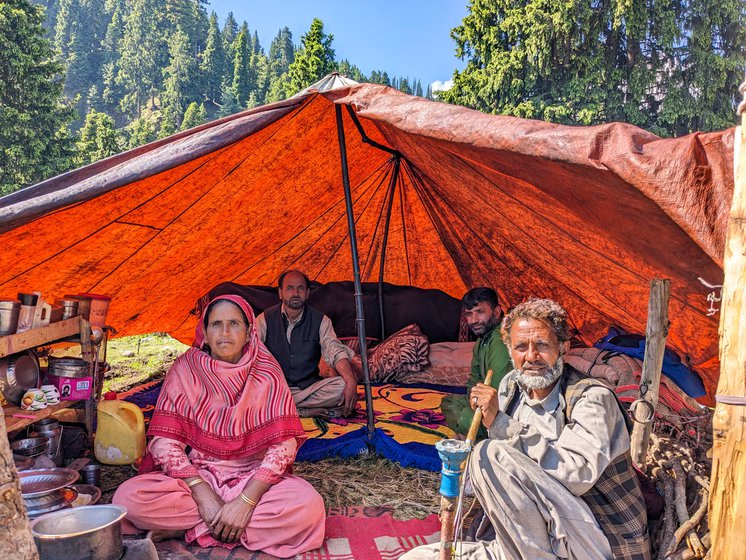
x=483, y=316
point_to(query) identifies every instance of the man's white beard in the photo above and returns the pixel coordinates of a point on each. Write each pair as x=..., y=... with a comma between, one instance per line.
x=534, y=382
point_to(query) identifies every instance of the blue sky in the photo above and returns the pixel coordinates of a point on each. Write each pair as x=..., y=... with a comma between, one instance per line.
x=404, y=38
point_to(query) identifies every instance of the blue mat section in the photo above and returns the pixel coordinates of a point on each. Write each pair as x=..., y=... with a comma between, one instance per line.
x=415, y=455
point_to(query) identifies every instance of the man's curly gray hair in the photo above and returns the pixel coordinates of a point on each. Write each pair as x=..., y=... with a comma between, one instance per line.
x=542, y=309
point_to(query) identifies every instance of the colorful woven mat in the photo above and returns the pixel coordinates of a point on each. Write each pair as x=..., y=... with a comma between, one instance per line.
x=408, y=424
x=352, y=533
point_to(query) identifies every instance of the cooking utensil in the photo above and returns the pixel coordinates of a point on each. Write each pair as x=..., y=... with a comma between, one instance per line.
x=18, y=374
x=9, y=310
x=38, y=482
x=92, y=494
x=69, y=367
x=30, y=447
x=23, y=463
x=59, y=499
x=84, y=533
x=69, y=307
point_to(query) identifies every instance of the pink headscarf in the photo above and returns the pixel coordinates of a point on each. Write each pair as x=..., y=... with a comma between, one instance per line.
x=226, y=410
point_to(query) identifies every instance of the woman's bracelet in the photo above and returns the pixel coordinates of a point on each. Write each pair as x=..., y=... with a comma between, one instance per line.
x=249, y=501
x=195, y=482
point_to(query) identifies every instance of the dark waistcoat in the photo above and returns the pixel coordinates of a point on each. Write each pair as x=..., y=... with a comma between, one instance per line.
x=616, y=499
x=299, y=359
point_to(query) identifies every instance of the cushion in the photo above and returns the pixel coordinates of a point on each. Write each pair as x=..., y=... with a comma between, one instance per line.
x=402, y=352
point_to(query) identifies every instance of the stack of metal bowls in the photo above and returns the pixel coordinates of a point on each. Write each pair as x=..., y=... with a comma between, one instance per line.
x=45, y=490
x=30, y=447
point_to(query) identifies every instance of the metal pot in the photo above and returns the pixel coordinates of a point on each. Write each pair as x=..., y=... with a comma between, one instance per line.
x=18, y=374
x=69, y=367
x=84, y=533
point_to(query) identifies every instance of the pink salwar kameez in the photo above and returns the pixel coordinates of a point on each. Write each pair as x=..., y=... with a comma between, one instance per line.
x=241, y=425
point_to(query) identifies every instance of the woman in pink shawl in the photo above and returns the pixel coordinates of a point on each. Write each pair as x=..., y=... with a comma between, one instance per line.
x=226, y=399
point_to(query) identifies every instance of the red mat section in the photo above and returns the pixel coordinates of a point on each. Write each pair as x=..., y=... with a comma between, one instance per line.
x=352, y=533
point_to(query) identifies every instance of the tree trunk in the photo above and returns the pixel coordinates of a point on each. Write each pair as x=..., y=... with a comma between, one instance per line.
x=16, y=542
x=727, y=515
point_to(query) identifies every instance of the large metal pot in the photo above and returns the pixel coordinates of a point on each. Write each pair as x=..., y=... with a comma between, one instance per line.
x=83, y=533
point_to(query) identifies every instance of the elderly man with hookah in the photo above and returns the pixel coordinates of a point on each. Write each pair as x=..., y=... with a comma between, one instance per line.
x=555, y=478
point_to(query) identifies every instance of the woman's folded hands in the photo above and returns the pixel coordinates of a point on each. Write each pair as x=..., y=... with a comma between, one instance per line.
x=230, y=522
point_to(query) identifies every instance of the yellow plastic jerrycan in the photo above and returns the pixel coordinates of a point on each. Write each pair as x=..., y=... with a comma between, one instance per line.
x=120, y=433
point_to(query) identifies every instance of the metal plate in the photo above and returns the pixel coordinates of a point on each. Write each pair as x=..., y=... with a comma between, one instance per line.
x=38, y=482
x=23, y=463
x=88, y=493
x=47, y=500
x=19, y=373
x=64, y=499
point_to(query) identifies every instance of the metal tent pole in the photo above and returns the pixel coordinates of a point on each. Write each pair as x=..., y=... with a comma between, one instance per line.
x=392, y=189
x=360, y=314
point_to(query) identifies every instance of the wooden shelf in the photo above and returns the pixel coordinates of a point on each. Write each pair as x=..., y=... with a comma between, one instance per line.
x=12, y=424
x=14, y=343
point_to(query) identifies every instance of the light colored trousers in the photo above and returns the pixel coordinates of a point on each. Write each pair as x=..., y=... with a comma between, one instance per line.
x=325, y=393
x=533, y=515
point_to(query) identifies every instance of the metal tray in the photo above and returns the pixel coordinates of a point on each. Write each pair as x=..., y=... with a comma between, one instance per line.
x=63, y=499
x=38, y=482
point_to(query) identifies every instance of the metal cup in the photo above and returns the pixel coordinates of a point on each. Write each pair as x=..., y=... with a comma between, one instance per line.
x=91, y=474
x=9, y=311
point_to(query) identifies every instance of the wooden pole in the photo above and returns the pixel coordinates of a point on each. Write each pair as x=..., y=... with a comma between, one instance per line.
x=727, y=515
x=16, y=541
x=650, y=381
x=448, y=505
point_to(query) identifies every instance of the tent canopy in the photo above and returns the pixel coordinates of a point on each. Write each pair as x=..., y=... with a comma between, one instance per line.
x=586, y=216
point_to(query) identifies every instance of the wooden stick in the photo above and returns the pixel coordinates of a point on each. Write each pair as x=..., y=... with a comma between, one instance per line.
x=655, y=345
x=727, y=515
x=448, y=505
x=477, y=420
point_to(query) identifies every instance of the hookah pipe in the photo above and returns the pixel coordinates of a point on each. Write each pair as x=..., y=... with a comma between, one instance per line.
x=453, y=453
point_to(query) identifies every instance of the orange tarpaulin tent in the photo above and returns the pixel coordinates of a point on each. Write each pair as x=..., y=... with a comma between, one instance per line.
x=586, y=216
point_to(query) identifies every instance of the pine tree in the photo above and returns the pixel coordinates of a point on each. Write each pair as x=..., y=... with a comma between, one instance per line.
x=228, y=103
x=670, y=67
x=429, y=92
x=213, y=61
x=230, y=31
x=79, y=32
x=314, y=60
x=34, y=141
x=111, y=91
x=378, y=77
x=195, y=115
x=418, y=88
x=281, y=53
x=140, y=66
x=98, y=138
x=178, y=83
x=404, y=85
x=345, y=68
x=141, y=131
x=241, y=83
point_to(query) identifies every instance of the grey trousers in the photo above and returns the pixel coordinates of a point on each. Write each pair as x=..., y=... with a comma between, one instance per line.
x=533, y=515
x=325, y=393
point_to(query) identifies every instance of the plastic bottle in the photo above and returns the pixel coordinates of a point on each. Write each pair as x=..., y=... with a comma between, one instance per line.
x=120, y=433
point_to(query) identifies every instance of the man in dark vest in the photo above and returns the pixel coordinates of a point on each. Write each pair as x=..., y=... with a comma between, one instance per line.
x=298, y=336
x=555, y=478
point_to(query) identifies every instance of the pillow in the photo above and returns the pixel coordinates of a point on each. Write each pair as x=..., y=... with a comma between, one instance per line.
x=404, y=351
x=353, y=342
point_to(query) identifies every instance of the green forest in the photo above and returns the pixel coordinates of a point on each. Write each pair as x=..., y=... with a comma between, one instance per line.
x=81, y=80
